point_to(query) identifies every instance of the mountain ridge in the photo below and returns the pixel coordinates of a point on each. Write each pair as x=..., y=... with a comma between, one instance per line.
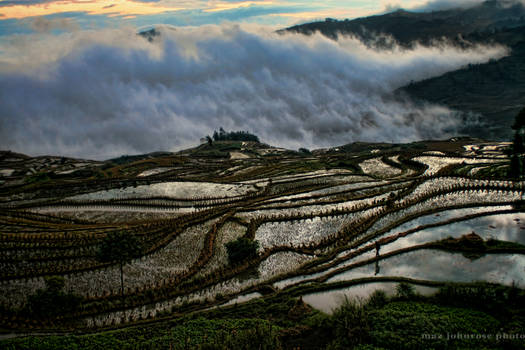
x=409, y=27
x=493, y=92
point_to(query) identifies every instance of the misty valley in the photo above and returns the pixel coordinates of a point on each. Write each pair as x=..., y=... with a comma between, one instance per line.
x=336, y=184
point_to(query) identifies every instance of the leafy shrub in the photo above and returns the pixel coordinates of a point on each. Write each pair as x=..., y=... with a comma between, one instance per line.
x=241, y=250
x=377, y=299
x=350, y=325
x=405, y=291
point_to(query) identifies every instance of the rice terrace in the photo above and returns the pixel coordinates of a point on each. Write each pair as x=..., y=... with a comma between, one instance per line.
x=241, y=235
x=266, y=175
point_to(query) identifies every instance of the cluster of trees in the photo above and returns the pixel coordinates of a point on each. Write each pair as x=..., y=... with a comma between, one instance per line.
x=304, y=151
x=223, y=135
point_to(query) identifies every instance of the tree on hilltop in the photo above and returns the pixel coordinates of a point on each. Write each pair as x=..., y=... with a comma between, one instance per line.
x=223, y=135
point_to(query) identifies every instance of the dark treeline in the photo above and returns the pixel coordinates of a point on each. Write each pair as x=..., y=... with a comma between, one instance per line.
x=222, y=135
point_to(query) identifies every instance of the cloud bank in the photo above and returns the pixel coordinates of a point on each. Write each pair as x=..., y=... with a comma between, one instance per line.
x=99, y=94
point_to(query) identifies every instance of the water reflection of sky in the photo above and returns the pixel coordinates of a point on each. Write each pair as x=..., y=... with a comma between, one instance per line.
x=504, y=227
x=437, y=265
x=330, y=300
x=168, y=189
x=444, y=216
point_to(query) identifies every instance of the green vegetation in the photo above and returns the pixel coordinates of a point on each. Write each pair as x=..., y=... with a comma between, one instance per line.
x=413, y=325
x=212, y=153
x=119, y=247
x=217, y=149
x=37, y=178
x=198, y=333
x=241, y=249
x=468, y=317
x=126, y=159
x=404, y=321
x=495, y=172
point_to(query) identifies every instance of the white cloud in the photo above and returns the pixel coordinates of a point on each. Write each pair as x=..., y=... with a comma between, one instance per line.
x=104, y=93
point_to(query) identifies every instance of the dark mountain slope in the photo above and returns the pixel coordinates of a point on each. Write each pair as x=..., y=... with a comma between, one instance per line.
x=495, y=90
x=408, y=27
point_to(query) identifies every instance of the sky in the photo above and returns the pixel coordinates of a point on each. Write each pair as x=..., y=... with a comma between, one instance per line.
x=26, y=16
x=76, y=80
